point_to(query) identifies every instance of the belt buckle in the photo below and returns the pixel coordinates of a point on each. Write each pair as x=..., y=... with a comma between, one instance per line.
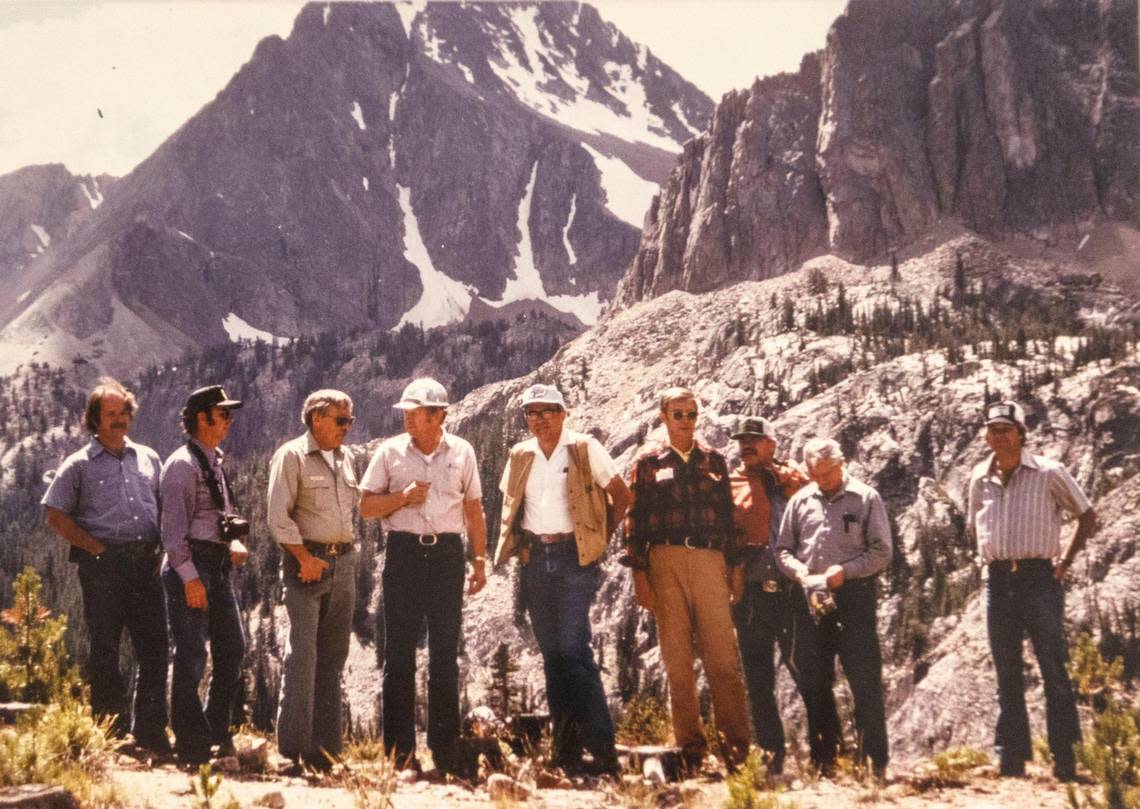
x=689, y=543
x=424, y=537
x=771, y=586
x=331, y=549
x=1012, y=565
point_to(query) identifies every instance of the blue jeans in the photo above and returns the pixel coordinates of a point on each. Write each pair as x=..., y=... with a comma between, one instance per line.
x=1029, y=601
x=558, y=592
x=197, y=727
x=121, y=590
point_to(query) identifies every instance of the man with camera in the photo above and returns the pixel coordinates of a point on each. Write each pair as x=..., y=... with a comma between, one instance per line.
x=834, y=540
x=104, y=502
x=202, y=533
x=312, y=494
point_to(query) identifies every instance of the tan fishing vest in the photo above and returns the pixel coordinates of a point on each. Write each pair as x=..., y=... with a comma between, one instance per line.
x=587, y=507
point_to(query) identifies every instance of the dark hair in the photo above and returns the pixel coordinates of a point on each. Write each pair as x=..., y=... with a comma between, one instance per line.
x=106, y=387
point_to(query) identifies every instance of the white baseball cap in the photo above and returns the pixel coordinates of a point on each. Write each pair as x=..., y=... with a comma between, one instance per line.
x=543, y=394
x=423, y=392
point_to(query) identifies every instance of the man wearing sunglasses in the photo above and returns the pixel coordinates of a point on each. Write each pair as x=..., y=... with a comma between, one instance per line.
x=557, y=519
x=1014, y=510
x=424, y=485
x=200, y=602
x=312, y=494
x=682, y=545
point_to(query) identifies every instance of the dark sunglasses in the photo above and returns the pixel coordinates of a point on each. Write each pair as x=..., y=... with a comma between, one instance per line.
x=225, y=414
x=542, y=413
x=344, y=421
x=681, y=415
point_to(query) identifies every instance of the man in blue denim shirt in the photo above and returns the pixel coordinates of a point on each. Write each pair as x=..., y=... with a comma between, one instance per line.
x=104, y=501
x=200, y=599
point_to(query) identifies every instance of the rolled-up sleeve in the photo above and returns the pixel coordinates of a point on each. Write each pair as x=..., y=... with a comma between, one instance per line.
x=177, y=489
x=877, y=544
x=284, y=478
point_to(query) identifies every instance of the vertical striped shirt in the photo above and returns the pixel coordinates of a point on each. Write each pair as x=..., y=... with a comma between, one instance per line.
x=1021, y=519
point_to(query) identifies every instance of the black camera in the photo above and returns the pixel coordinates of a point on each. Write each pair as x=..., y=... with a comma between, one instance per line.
x=232, y=527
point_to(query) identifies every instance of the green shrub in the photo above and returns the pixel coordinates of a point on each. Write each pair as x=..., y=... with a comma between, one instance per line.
x=954, y=763
x=645, y=721
x=33, y=661
x=748, y=787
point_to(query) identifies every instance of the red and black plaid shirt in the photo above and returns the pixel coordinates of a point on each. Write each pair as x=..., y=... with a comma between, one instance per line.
x=672, y=498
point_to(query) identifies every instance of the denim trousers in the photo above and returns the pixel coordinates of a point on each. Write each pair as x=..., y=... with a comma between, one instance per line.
x=763, y=624
x=195, y=726
x=1029, y=601
x=849, y=633
x=121, y=590
x=309, y=718
x=422, y=583
x=558, y=592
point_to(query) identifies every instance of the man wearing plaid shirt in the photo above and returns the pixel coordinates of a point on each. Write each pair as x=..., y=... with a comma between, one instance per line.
x=681, y=543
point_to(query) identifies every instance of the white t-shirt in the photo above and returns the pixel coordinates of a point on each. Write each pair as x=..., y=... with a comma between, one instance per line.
x=546, y=504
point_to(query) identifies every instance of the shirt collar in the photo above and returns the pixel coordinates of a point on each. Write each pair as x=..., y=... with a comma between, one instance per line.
x=844, y=489
x=666, y=449
x=312, y=446
x=1027, y=460
x=96, y=448
x=410, y=445
x=211, y=454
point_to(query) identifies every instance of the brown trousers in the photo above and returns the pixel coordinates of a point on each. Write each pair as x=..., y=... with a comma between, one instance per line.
x=692, y=609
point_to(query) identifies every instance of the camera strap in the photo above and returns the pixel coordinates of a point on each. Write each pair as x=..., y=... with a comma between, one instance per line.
x=219, y=497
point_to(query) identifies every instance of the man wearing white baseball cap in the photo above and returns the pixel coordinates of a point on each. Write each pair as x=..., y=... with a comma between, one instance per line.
x=1014, y=512
x=424, y=485
x=557, y=519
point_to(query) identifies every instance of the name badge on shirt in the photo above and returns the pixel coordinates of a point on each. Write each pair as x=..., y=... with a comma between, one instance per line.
x=316, y=478
x=664, y=474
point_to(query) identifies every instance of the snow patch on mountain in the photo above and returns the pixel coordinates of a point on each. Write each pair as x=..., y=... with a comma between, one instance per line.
x=239, y=330
x=545, y=67
x=43, y=236
x=358, y=116
x=627, y=194
x=443, y=300
x=566, y=230
x=94, y=196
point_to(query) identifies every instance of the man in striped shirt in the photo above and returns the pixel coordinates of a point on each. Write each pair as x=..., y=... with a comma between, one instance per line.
x=1015, y=504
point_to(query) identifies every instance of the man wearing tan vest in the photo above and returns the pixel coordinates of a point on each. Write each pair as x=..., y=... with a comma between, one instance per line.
x=557, y=519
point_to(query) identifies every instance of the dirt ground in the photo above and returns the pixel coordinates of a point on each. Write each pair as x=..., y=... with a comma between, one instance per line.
x=165, y=785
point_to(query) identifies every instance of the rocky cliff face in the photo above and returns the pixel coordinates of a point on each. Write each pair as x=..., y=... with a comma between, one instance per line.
x=381, y=165
x=898, y=373
x=1007, y=117
x=40, y=205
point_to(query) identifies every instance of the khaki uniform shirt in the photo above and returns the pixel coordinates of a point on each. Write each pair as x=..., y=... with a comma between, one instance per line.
x=308, y=499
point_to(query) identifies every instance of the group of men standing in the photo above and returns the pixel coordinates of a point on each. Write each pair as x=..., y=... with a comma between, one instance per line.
x=732, y=564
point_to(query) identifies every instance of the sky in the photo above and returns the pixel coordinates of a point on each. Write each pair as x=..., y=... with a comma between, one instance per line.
x=98, y=85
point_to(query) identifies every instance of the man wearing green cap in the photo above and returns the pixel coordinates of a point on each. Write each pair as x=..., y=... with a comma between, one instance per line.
x=761, y=486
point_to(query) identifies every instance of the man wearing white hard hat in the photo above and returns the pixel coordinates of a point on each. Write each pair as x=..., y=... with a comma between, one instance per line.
x=1014, y=510
x=424, y=485
x=557, y=519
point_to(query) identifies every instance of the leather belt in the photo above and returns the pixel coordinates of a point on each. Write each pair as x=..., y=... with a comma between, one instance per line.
x=426, y=540
x=1013, y=565
x=685, y=541
x=549, y=539
x=327, y=548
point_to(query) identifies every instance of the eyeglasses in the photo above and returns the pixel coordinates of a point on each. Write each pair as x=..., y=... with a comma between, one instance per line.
x=681, y=415
x=542, y=412
x=225, y=414
x=344, y=421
